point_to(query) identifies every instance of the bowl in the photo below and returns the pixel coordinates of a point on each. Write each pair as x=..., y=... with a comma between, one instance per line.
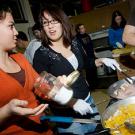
x=114, y=107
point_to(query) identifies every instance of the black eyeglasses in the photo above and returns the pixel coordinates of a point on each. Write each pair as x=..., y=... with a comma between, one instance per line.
x=46, y=23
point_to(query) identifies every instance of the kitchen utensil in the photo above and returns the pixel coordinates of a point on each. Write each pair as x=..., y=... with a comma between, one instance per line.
x=68, y=119
x=130, y=126
x=110, y=111
x=126, y=124
x=61, y=119
x=115, y=86
x=128, y=78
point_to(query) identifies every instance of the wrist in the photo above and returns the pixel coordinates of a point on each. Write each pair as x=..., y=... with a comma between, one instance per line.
x=119, y=45
x=6, y=110
x=5, y=113
x=63, y=96
x=98, y=62
x=72, y=102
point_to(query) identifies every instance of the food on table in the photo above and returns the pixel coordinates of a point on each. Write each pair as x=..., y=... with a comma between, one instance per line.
x=125, y=113
x=127, y=49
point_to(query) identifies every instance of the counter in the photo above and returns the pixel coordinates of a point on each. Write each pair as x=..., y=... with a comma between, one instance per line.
x=99, y=34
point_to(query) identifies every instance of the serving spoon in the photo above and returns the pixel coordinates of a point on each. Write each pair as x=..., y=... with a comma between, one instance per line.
x=129, y=79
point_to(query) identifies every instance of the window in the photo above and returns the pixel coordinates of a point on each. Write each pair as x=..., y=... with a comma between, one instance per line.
x=17, y=11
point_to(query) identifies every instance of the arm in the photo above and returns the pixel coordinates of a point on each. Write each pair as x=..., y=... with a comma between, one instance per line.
x=19, y=107
x=98, y=62
x=86, y=53
x=80, y=46
x=108, y=62
x=129, y=31
x=80, y=106
x=112, y=40
x=41, y=61
x=90, y=52
x=129, y=35
x=27, y=53
x=4, y=114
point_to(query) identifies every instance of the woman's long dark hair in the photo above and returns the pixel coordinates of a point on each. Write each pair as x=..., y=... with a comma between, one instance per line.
x=62, y=18
x=114, y=25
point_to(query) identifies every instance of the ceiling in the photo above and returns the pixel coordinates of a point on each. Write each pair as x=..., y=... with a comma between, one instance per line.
x=71, y=7
x=67, y=5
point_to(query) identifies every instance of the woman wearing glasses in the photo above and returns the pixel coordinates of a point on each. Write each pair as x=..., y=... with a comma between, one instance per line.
x=60, y=55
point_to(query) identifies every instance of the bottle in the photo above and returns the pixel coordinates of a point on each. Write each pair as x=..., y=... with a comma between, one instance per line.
x=55, y=90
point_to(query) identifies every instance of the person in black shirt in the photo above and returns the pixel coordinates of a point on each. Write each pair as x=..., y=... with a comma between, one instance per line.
x=89, y=56
x=60, y=55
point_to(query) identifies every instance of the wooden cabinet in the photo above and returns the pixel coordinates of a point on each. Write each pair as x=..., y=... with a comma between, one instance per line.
x=99, y=19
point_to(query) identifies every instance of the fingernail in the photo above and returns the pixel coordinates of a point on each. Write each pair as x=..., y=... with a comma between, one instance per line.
x=46, y=105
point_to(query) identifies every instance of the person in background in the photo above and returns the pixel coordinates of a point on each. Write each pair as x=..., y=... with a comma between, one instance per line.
x=19, y=110
x=34, y=44
x=60, y=55
x=129, y=31
x=116, y=30
x=89, y=56
x=22, y=42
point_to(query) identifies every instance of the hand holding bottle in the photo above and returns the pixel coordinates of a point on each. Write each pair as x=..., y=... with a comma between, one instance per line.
x=56, y=89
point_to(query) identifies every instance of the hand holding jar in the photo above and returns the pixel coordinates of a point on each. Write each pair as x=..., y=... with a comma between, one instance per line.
x=57, y=89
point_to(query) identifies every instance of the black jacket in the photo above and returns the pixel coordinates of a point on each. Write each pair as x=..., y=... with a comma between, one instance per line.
x=46, y=59
x=87, y=46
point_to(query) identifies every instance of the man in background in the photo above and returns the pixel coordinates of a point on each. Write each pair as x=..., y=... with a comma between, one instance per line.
x=87, y=46
x=34, y=44
x=22, y=43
